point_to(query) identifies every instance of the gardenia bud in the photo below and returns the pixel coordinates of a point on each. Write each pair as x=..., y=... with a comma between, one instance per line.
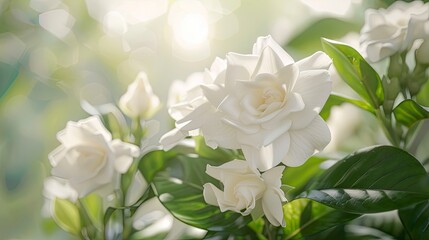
x=139, y=100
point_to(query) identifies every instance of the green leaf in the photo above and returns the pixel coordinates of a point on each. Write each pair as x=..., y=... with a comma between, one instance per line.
x=308, y=41
x=8, y=74
x=304, y=218
x=300, y=177
x=416, y=220
x=355, y=71
x=180, y=190
x=387, y=222
x=153, y=162
x=409, y=112
x=336, y=100
x=372, y=180
x=66, y=215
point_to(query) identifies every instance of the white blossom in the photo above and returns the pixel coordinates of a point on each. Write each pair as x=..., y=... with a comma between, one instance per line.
x=246, y=191
x=393, y=30
x=88, y=158
x=139, y=100
x=264, y=103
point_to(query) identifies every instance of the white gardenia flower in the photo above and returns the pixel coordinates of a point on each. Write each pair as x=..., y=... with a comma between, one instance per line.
x=246, y=191
x=139, y=100
x=393, y=30
x=265, y=104
x=88, y=158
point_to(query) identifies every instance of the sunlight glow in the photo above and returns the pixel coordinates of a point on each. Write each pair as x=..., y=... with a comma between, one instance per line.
x=191, y=30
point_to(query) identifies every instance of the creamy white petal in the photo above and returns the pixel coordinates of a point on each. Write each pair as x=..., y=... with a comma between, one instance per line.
x=214, y=93
x=273, y=209
x=263, y=42
x=94, y=124
x=238, y=166
x=269, y=62
x=288, y=75
x=306, y=140
x=172, y=138
x=245, y=61
x=273, y=176
x=314, y=86
x=214, y=196
x=258, y=211
x=265, y=157
x=217, y=133
x=124, y=155
x=318, y=60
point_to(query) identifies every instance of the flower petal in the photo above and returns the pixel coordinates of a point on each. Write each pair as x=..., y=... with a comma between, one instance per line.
x=263, y=42
x=236, y=166
x=318, y=60
x=214, y=196
x=314, y=86
x=273, y=176
x=269, y=156
x=217, y=133
x=273, y=209
x=124, y=155
x=172, y=138
x=304, y=141
x=269, y=62
x=214, y=93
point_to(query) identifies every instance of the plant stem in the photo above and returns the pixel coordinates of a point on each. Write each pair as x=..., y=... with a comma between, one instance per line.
x=137, y=131
x=387, y=127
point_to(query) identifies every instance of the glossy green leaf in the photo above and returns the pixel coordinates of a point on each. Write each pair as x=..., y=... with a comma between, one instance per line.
x=416, y=220
x=355, y=71
x=357, y=232
x=8, y=74
x=66, y=215
x=409, y=112
x=387, y=222
x=372, y=180
x=300, y=177
x=336, y=100
x=305, y=217
x=180, y=190
x=153, y=162
x=307, y=41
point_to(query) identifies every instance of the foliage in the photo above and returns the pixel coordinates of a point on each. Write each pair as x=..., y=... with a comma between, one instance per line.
x=331, y=196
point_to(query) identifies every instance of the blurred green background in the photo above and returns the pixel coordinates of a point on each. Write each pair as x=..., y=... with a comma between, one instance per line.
x=56, y=53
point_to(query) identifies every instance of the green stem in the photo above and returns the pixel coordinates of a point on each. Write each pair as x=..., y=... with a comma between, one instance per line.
x=137, y=131
x=387, y=127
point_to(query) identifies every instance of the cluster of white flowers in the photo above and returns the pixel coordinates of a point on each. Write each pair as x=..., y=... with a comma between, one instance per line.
x=88, y=159
x=265, y=104
x=396, y=29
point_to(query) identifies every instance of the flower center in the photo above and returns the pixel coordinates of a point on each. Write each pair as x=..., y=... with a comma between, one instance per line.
x=271, y=96
x=247, y=192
